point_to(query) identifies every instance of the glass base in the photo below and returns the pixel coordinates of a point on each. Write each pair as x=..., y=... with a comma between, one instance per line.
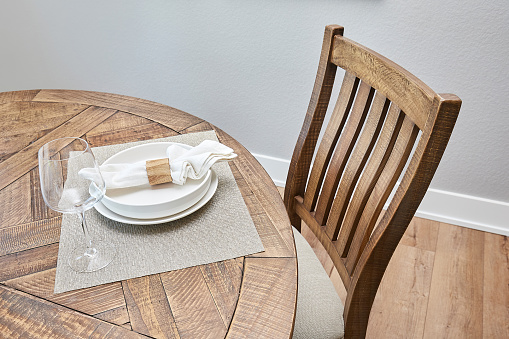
x=93, y=259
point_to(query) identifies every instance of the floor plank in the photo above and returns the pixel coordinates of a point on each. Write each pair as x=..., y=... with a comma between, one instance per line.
x=401, y=302
x=496, y=286
x=455, y=300
x=421, y=233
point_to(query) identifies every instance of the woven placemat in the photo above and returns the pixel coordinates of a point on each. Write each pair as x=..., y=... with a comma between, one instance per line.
x=221, y=230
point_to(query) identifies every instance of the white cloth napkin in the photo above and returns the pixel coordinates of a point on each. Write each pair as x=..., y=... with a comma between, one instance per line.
x=193, y=163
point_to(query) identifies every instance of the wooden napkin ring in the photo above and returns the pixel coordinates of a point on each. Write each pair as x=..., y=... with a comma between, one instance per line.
x=158, y=171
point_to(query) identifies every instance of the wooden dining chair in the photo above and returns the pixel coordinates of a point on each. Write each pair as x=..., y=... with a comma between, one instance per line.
x=387, y=130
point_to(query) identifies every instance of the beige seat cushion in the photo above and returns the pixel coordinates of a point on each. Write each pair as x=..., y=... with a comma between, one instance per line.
x=319, y=310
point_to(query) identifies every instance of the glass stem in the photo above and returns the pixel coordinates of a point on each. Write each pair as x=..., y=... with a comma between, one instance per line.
x=90, y=251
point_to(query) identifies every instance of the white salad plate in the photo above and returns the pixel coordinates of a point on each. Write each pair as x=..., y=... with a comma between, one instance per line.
x=136, y=221
x=157, y=201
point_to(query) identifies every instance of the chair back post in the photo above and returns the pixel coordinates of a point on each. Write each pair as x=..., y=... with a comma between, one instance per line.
x=305, y=147
x=385, y=238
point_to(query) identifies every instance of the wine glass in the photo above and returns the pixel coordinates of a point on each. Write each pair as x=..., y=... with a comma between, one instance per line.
x=65, y=191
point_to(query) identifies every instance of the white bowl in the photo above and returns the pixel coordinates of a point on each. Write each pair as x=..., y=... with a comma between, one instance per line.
x=149, y=202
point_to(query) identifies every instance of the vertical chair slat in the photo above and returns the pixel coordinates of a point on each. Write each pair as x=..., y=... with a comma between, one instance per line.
x=358, y=159
x=345, y=212
x=346, y=144
x=330, y=138
x=382, y=190
x=304, y=149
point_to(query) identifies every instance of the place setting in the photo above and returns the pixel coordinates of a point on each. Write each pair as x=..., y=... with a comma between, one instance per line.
x=143, y=208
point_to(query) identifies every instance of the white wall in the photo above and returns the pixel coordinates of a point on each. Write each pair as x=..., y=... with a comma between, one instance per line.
x=249, y=66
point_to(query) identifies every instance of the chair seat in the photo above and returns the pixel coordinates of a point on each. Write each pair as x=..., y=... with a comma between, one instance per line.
x=319, y=312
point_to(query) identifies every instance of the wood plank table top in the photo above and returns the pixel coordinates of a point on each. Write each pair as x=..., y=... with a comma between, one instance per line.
x=247, y=297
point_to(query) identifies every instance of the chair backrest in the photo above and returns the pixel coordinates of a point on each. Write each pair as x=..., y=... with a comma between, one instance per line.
x=381, y=113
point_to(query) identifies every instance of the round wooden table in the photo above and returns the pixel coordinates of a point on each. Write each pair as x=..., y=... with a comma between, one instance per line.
x=252, y=296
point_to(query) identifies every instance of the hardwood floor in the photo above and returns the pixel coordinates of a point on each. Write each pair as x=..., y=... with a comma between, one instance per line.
x=444, y=281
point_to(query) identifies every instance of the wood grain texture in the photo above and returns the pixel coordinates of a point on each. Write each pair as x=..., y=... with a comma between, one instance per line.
x=158, y=171
x=148, y=307
x=199, y=127
x=382, y=187
x=148, y=131
x=192, y=305
x=223, y=280
x=413, y=96
x=275, y=242
x=496, y=286
x=343, y=150
x=25, y=316
x=127, y=326
x=356, y=165
x=165, y=115
x=266, y=299
x=26, y=159
x=118, y=122
x=25, y=122
x=400, y=306
x=354, y=205
x=8, y=97
x=450, y=301
x=118, y=316
x=421, y=233
x=30, y=235
x=16, y=202
x=407, y=198
x=330, y=138
x=34, y=260
x=94, y=300
x=39, y=208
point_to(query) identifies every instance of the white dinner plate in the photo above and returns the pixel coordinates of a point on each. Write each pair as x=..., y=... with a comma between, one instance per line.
x=126, y=220
x=158, y=201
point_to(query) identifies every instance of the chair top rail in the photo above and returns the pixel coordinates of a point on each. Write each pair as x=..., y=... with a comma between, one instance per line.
x=400, y=86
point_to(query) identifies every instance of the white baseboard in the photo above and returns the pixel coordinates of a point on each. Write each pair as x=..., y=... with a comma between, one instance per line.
x=449, y=207
x=277, y=168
